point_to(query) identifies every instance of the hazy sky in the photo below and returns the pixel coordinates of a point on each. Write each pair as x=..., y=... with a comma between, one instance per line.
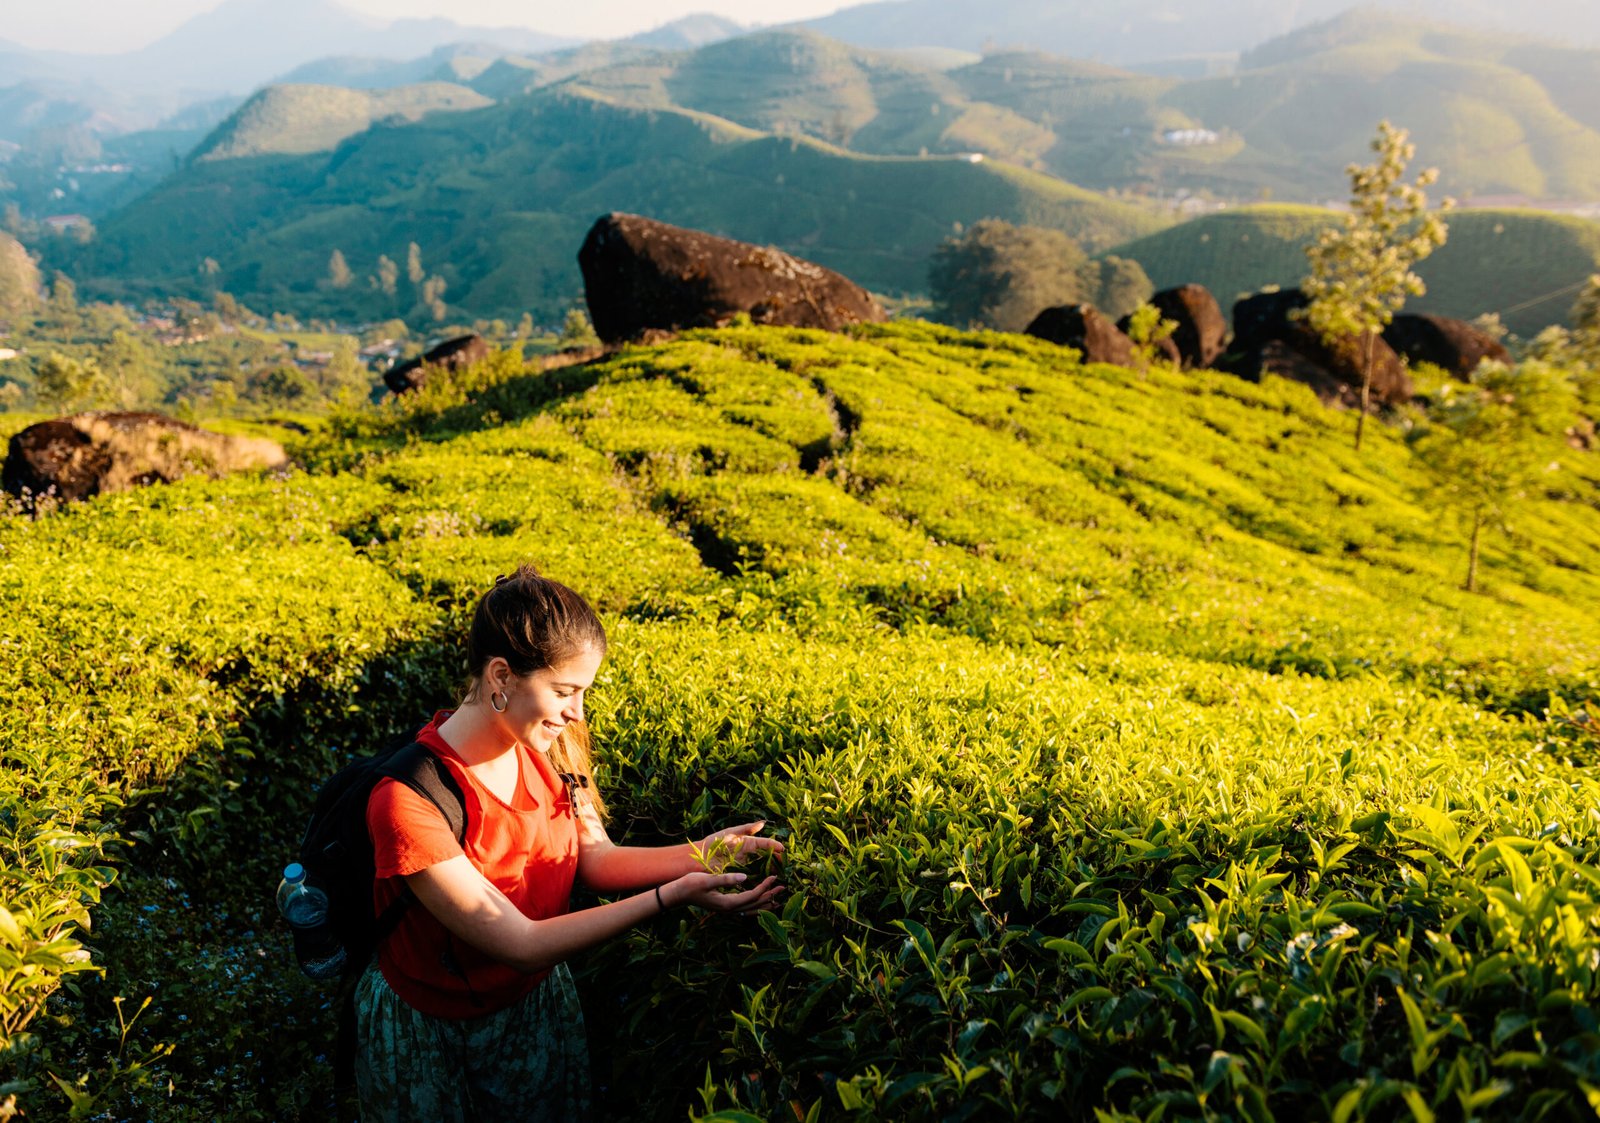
x=120, y=25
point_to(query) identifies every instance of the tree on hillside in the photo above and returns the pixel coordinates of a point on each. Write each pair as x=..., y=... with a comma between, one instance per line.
x=1361, y=273
x=1124, y=286
x=433, y=296
x=19, y=279
x=229, y=310
x=385, y=331
x=1147, y=330
x=414, y=271
x=13, y=223
x=67, y=385
x=1000, y=276
x=132, y=373
x=345, y=381
x=63, y=301
x=1586, y=349
x=388, y=276
x=339, y=275
x=1579, y=344
x=577, y=331
x=1577, y=349
x=282, y=386
x=1487, y=446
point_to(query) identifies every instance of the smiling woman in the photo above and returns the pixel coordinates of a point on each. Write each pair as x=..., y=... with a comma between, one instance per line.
x=468, y=1010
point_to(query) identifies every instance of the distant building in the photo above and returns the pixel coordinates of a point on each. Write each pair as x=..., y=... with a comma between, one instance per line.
x=61, y=223
x=1190, y=137
x=382, y=355
x=8, y=353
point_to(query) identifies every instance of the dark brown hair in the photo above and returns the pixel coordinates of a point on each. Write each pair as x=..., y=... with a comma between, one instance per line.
x=533, y=623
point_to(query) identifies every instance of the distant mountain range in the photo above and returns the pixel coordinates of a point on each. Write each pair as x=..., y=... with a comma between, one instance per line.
x=861, y=160
x=244, y=43
x=140, y=111
x=1498, y=115
x=1144, y=31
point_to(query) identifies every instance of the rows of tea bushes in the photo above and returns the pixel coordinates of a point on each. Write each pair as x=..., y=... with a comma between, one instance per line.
x=1137, y=752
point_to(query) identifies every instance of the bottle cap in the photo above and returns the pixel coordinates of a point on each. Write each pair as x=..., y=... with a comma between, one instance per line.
x=294, y=871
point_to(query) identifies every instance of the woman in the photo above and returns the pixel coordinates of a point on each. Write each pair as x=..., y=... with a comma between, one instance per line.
x=469, y=1011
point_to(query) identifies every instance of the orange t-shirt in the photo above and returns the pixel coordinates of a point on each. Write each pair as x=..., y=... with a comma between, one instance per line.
x=528, y=849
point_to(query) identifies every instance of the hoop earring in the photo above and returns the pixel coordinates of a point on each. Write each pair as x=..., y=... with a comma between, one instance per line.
x=501, y=707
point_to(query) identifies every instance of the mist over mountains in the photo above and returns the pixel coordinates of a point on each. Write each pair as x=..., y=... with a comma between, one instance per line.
x=243, y=43
x=1143, y=31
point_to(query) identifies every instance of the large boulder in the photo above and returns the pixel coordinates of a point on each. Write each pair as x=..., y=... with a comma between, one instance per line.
x=1454, y=345
x=86, y=454
x=452, y=354
x=1266, y=315
x=1202, y=329
x=1269, y=338
x=643, y=276
x=1086, y=328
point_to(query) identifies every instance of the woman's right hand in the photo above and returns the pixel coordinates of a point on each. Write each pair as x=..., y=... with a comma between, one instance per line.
x=711, y=891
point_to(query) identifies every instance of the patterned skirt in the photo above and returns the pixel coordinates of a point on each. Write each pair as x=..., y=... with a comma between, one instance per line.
x=528, y=1062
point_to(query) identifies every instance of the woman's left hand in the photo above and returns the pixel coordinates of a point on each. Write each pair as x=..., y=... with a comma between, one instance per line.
x=734, y=846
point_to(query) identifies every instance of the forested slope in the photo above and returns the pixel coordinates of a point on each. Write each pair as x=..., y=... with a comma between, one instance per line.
x=499, y=199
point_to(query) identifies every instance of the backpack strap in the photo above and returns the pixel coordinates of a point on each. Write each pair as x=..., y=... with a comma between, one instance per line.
x=420, y=769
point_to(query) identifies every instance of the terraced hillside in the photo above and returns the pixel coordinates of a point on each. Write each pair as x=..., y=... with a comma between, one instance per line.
x=1135, y=748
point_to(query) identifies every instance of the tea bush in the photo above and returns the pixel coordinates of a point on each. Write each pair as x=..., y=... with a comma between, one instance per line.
x=1137, y=753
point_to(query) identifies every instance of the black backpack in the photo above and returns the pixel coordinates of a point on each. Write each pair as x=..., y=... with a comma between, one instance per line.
x=337, y=851
x=337, y=855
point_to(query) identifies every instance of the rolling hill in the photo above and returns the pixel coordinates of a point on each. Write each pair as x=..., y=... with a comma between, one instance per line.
x=1498, y=115
x=499, y=199
x=294, y=120
x=1156, y=30
x=1524, y=265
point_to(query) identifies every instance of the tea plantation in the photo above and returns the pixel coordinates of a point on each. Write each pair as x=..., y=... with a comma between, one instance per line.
x=1137, y=752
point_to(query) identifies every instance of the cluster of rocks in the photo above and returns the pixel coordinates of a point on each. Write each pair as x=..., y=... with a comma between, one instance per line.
x=1269, y=337
x=644, y=279
x=87, y=454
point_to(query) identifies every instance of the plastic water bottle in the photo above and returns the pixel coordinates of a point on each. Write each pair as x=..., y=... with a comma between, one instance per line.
x=305, y=907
